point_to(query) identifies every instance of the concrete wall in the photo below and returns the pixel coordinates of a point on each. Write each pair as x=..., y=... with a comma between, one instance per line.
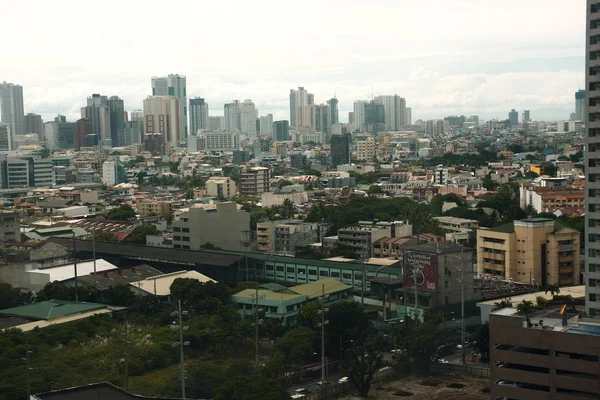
x=32, y=281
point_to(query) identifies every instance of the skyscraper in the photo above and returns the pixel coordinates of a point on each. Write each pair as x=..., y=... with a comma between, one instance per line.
x=117, y=120
x=161, y=115
x=198, y=115
x=33, y=124
x=334, y=114
x=98, y=113
x=174, y=85
x=266, y=125
x=526, y=116
x=340, y=149
x=6, y=137
x=83, y=128
x=395, y=111
x=408, y=116
x=322, y=114
x=592, y=154
x=240, y=117
x=351, y=117
x=375, y=117
x=301, y=112
x=11, y=107
x=513, y=117
x=359, y=115
x=580, y=105
x=281, y=131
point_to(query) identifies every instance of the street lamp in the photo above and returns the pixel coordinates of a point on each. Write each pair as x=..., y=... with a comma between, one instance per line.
x=181, y=343
x=322, y=324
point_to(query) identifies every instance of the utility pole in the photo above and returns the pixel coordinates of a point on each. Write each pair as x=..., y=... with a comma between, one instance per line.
x=75, y=267
x=257, y=322
x=362, y=291
x=26, y=359
x=462, y=305
x=181, y=343
x=322, y=311
x=94, y=250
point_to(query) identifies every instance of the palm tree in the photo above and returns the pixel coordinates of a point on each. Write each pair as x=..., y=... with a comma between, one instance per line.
x=504, y=303
x=525, y=308
x=288, y=209
x=553, y=289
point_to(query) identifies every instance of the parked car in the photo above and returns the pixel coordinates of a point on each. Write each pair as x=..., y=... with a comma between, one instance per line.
x=344, y=379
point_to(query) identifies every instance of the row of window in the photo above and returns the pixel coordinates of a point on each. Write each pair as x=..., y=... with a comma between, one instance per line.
x=179, y=246
x=181, y=238
x=178, y=229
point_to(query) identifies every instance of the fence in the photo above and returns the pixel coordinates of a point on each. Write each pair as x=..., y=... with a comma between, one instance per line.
x=472, y=370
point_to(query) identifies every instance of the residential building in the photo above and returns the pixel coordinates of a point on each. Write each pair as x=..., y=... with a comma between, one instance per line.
x=117, y=120
x=281, y=131
x=6, y=137
x=361, y=237
x=301, y=108
x=222, y=227
x=10, y=227
x=526, y=116
x=269, y=199
x=254, y=181
x=549, y=354
x=82, y=129
x=150, y=207
x=550, y=198
x=592, y=160
x=437, y=269
x=113, y=173
x=173, y=85
x=458, y=230
x=216, y=122
x=214, y=141
x=161, y=115
x=436, y=127
x=537, y=250
x=340, y=149
x=365, y=149
x=198, y=115
x=241, y=117
x=395, y=113
x=285, y=236
x=97, y=113
x=580, y=105
x=359, y=115
x=441, y=176
x=266, y=125
x=221, y=187
x=32, y=123
x=11, y=107
x=334, y=114
x=513, y=117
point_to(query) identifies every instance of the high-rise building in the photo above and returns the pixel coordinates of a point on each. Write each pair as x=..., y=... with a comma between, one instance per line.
x=408, y=116
x=98, y=113
x=322, y=115
x=240, y=117
x=359, y=115
x=6, y=137
x=365, y=149
x=174, y=85
x=375, y=117
x=117, y=120
x=301, y=112
x=281, y=131
x=395, y=111
x=11, y=107
x=334, y=114
x=254, y=181
x=83, y=128
x=592, y=154
x=580, y=105
x=340, y=149
x=198, y=115
x=526, y=116
x=138, y=116
x=266, y=125
x=59, y=134
x=216, y=122
x=33, y=124
x=132, y=133
x=351, y=117
x=161, y=115
x=513, y=117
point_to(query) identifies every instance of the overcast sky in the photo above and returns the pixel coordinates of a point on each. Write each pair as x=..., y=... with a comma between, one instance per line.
x=445, y=57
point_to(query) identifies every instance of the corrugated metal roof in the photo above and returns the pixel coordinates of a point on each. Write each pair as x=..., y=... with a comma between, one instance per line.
x=315, y=289
x=161, y=285
x=51, y=309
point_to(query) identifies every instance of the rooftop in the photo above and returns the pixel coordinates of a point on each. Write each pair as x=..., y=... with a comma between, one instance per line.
x=122, y=276
x=439, y=248
x=510, y=227
x=315, y=289
x=161, y=285
x=268, y=297
x=51, y=309
x=67, y=271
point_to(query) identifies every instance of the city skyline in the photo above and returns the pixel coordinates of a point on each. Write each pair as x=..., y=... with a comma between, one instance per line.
x=479, y=68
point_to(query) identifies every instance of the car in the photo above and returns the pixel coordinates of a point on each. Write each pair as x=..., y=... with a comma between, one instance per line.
x=344, y=379
x=297, y=396
x=302, y=391
x=507, y=383
x=442, y=361
x=384, y=368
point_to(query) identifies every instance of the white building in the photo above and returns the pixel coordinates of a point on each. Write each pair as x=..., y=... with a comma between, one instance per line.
x=365, y=149
x=161, y=115
x=173, y=85
x=307, y=137
x=395, y=111
x=240, y=117
x=359, y=114
x=268, y=199
x=11, y=107
x=221, y=187
x=301, y=108
x=441, y=175
x=109, y=173
x=43, y=172
x=266, y=125
x=217, y=140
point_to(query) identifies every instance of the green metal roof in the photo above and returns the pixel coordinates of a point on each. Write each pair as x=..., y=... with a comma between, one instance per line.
x=63, y=232
x=267, y=297
x=51, y=309
x=315, y=289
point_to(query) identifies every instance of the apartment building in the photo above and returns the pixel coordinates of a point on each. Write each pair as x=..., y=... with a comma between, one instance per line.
x=554, y=356
x=538, y=250
x=457, y=229
x=254, y=181
x=222, y=227
x=550, y=198
x=362, y=236
x=221, y=187
x=10, y=227
x=441, y=176
x=285, y=236
x=365, y=149
x=149, y=207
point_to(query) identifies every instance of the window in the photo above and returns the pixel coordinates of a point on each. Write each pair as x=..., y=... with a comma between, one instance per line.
x=185, y=247
x=335, y=274
x=594, y=8
x=592, y=282
x=290, y=270
x=176, y=229
x=593, y=85
x=592, y=192
x=592, y=132
x=592, y=296
x=592, y=100
x=176, y=237
x=592, y=178
x=185, y=229
x=594, y=24
x=593, y=39
x=186, y=238
x=347, y=276
x=323, y=273
x=592, y=267
x=312, y=271
x=592, y=223
x=593, y=312
x=280, y=268
x=592, y=252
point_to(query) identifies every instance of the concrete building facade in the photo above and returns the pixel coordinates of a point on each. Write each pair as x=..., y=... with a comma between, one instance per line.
x=33, y=124
x=161, y=115
x=174, y=85
x=366, y=149
x=285, y=236
x=254, y=181
x=11, y=107
x=241, y=117
x=198, y=115
x=97, y=113
x=394, y=110
x=10, y=227
x=221, y=187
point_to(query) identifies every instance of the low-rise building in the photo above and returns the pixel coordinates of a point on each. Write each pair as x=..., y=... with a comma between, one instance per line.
x=149, y=207
x=160, y=285
x=269, y=199
x=549, y=198
x=285, y=236
x=221, y=187
x=536, y=250
x=254, y=181
x=458, y=230
x=10, y=227
x=361, y=237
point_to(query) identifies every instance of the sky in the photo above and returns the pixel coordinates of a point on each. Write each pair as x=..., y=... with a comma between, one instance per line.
x=459, y=57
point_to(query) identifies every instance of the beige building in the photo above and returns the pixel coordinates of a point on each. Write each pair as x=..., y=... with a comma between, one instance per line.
x=254, y=181
x=221, y=187
x=362, y=236
x=269, y=199
x=222, y=227
x=538, y=250
x=10, y=227
x=284, y=236
x=365, y=149
x=161, y=115
x=149, y=207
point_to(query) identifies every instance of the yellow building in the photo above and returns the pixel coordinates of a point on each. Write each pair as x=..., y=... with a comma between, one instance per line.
x=537, y=168
x=149, y=207
x=538, y=250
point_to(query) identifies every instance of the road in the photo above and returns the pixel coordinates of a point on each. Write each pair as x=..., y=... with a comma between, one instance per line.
x=311, y=385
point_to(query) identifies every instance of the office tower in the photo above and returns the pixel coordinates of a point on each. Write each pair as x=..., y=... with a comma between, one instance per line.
x=11, y=107
x=375, y=120
x=161, y=115
x=474, y=119
x=359, y=115
x=98, y=113
x=240, y=117
x=59, y=134
x=33, y=124
x=408, y=116
x=351, y=117
x=6, y=137
x=526, y=116
x=340, y=149
x=513, y=117
x=132, y=134
x=83, y=128
x=281, y=131
x=395, y=111
x=117, y=120
x=580, y=105
x=592, y=162
x=301, y=112
x=174, y=85
x=457, y=122
x=322, y=123
x=198, y=115
x=214, y=141
x=334, y=114
x=573, y=116
x=266, y=125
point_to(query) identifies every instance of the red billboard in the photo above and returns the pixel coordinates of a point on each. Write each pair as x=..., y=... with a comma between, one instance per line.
x=425, y=265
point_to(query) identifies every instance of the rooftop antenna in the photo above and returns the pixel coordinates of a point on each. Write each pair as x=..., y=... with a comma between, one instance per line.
x=335, y=92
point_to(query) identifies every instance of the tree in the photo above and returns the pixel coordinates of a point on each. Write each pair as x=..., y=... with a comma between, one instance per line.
x=105, y=236
x=138, y=235
x=308, y=316
x=210, y=246
x=483, y=341
x=420, y=341
x=287, y=209
x=11, y=297
x=194, y=293
x=553, y=289
x=363, y=361
x=530, y=210
x=45, y=152
x=375, y=189
x=283, y=183
x=525, y=308
x=120, y=295
x=297, y=345
x=251, y=387
x=122, y=213
x=504, y=303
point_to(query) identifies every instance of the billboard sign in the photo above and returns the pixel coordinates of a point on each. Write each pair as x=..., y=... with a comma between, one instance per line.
x=425, y=265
